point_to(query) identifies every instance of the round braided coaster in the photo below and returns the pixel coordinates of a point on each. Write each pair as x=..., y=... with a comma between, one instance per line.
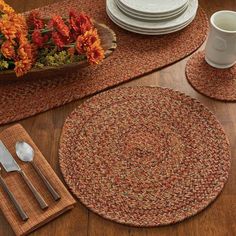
x=144, y=156
x=215, y=83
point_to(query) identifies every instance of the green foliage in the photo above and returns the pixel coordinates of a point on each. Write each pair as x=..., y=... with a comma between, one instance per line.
x=52, y=57
x=3, y=65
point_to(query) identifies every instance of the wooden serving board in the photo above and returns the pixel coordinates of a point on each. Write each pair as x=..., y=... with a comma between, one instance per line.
x=108, y=41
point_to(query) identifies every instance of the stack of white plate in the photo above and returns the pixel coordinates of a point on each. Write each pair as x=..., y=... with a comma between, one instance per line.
x=152, y=17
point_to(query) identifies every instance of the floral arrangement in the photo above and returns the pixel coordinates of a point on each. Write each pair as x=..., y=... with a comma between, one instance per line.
x=31, y=41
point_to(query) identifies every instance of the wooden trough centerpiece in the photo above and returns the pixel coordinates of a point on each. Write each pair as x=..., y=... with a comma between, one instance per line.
x=108, y=43
x=32, y=46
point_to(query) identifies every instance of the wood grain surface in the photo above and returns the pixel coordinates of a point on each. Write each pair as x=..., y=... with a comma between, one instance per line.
x=217, y=220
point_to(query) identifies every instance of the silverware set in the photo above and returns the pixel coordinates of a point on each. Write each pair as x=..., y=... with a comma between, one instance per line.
x=26, y=154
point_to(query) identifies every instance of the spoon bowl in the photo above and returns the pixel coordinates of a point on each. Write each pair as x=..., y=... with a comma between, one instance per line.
x=24, y=151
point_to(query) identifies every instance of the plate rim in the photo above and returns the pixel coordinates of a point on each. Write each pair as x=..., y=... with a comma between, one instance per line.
x=152, y=12
x=110, y=4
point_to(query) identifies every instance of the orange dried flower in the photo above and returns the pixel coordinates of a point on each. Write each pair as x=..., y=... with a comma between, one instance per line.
x=79, y=23
x=58, y=24
x=95, y=54
x=58, y=39
x=7, y=28
x=34, y=20
x=74, y=24
x=90, y=44
x=13, y=25
x=5, y=8
x=80, y=44
x=87, y=40
x=19, y=23
x=25, y=59
x=85, y=23
x=25, y=51
x=37, y=38
x=91, y=37
x=8, y=50
x=21, y=67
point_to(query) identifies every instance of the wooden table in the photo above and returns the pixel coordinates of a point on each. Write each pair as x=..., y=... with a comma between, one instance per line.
x=217, y=220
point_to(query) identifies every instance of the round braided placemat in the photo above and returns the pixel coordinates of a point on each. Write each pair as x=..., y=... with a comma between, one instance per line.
x=144, y=156
x=215, y=83
x=136, y=55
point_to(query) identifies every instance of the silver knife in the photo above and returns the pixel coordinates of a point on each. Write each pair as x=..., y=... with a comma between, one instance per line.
x=9, y=164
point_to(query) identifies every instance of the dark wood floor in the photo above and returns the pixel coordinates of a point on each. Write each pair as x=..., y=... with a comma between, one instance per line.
x=219, y=219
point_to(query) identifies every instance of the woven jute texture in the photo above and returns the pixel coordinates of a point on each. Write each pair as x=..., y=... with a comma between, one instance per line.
x=16, y=184
x=215, y=83
x=144, y=156
x=135, y=56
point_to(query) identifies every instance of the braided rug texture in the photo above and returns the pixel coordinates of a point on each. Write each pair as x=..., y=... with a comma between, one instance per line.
x=144, y=156
x=215, y=83
x=135, y=56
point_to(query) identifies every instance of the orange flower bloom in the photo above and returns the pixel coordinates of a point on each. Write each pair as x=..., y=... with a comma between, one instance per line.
x=7, y=28
x=58, y=23
x=79, y=23
x=92, y=37
x=95, y=54
x=8, y=50
x=12, y=25
x=87, y=40
x=21, y=67
x=80, y=44
x=20, y=24
x=73, y=16
x=37, y=38
x=5, y=8
x=24, y=63
x=34, y=20
x=25, y=51
x=85, y=23
x=58, y=39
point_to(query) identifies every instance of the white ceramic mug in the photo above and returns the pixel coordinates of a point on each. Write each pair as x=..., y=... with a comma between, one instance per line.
x=221, y=45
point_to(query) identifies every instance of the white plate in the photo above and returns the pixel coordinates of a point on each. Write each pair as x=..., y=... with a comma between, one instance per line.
x=160, y=15
x=148, y=32
x=154, y=6
x=144, y=25
x=148, y=17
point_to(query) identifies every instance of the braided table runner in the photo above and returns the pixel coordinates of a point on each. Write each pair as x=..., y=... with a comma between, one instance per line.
x=219, y=84
x=135, y=56
x=144, y=156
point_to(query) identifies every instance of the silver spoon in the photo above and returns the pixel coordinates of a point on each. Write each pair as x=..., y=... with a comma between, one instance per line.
x=26, y=153
x=17, y=205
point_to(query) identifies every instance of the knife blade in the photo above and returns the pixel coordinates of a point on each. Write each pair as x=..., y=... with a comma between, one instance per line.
x=9, y=164
x=7, y=160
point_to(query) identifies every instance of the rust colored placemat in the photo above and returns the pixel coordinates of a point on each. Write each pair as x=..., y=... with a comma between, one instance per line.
x=135, y=56
x=37, y=217
x=144, y=156
x=215, y=83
